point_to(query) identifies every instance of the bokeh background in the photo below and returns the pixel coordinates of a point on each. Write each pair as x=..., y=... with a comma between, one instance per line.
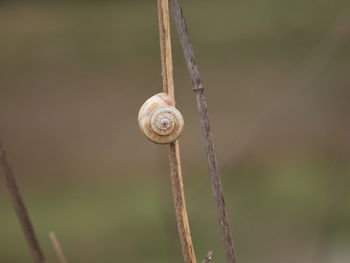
x=73, y=75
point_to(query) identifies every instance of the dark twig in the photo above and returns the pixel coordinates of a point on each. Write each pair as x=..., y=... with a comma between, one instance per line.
x=208, y=257
x=198, y=89
x=20, y=208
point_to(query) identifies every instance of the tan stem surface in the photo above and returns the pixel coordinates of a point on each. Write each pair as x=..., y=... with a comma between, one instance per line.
x=174, y=149
x=58, y=248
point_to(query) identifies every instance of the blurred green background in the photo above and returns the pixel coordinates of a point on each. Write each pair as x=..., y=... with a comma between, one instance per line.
x=73, y=75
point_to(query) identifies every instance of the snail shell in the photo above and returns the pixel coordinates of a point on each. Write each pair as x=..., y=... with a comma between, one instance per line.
x=159, y=120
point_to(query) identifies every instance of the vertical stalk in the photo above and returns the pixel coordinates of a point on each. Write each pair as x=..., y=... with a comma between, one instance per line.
x=174, y=149
x=20, y=208
x=198, y=89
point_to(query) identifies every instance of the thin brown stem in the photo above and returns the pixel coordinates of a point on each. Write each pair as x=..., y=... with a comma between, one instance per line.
x=198, y=89
x=174, y=149
x=20, y=208
x=165, y=48
x=58, y=248
x=180, y=203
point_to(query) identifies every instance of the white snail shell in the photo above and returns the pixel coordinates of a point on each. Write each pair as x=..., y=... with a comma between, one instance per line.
x=159, y=120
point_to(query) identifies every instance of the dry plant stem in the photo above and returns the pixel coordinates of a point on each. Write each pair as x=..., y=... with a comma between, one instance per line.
x=174, y=151
x=165, y=48
x=58, y=248
x=20, y=208
x=180, y=204
x=206, y=128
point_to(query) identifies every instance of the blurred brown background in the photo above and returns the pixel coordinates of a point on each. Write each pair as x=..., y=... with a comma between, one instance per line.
x=73, y=76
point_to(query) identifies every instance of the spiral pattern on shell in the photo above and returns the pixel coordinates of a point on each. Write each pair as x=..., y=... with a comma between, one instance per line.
x=159, y=120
